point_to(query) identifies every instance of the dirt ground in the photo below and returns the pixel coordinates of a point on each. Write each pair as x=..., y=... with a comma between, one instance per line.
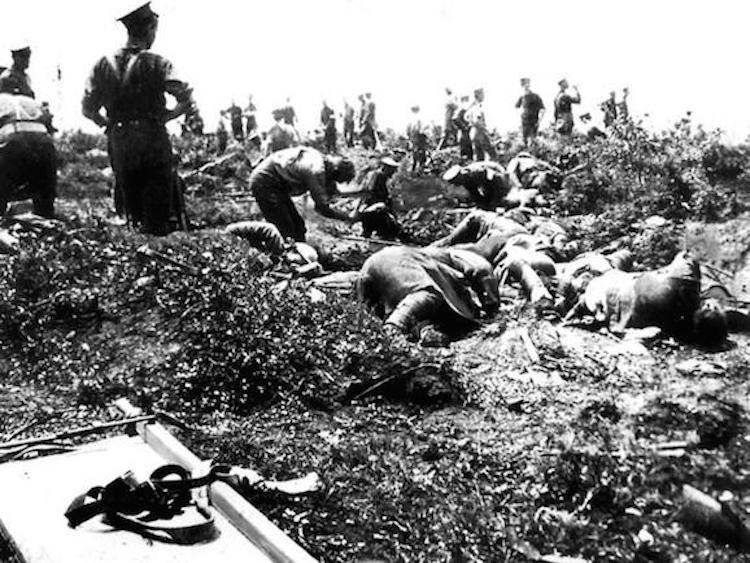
x=559, y=441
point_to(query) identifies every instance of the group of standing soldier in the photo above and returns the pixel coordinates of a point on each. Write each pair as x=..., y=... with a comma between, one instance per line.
x=130, y=86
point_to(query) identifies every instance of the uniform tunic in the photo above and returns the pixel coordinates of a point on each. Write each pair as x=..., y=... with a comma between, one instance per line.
x=131, y=85
x=15, y=81
x=287, y=173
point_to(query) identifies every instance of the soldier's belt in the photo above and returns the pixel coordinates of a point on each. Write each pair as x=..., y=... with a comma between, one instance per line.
x=21, y=127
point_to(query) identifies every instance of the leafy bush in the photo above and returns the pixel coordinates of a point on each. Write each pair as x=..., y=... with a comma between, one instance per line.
x=250, y=343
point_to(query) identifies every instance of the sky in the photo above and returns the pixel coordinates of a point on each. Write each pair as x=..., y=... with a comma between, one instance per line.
x=675, y=56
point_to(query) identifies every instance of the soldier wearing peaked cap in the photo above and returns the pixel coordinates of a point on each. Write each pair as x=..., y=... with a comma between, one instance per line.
x=131, y=85
x=14, y=80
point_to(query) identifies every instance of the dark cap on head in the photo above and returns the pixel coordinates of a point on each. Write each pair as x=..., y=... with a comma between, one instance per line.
x=525, y=81
x=341, y=167
x=139, y=15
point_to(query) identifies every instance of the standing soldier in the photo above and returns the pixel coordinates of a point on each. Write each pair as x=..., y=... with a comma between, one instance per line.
x=418, y=140
x=328, y=121
x=222, y=136
x=235, y=121
x=623, y=114
x=609, y=108
x=369, y=126
x=449, y=126
x=564, y=108
x=14, y=80
x=532, y=111
x=463, y=128
x=480, y=138
x=130, y=85
x=251, y=122
x=348, y=124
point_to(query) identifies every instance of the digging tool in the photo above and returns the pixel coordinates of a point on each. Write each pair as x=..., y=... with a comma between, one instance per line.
x=148, y=252
x=374, y=241
x=210, y=165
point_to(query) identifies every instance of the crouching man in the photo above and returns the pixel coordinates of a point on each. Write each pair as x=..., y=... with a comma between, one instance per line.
x=294, y=172
x=428, y=293
x=28, y=159
x=376, y=208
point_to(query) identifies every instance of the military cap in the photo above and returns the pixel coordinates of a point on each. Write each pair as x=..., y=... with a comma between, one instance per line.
x=21, y=47
x=525, y=81
x=140, y=14
x=388, y=161
x=562, y=81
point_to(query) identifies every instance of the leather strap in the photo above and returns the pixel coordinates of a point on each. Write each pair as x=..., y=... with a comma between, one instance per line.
x=134, y=506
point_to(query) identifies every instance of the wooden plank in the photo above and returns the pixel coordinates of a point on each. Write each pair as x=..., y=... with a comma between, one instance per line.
x=36, y=493
x=249, y=520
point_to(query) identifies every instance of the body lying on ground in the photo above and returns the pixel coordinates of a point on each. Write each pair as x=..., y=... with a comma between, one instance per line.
x=477, y=225
x=267, y=238
x=416, y=289
x=667, y=298
x=486, y=182
x=525, y=172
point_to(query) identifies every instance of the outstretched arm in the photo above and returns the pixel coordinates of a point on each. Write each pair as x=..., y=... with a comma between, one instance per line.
x=316, y=186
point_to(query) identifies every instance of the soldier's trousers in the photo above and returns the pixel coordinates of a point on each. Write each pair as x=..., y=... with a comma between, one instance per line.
x=416, y=308
x=349, y=133
x=141, y=157
x=278, y=208
x=29, y=159
x=481, y=144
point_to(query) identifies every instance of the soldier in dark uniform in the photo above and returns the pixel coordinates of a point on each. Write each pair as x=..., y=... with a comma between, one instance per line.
x=376, y=207
x=328, y=121
x=130, y=85
x=532, y=111
x=564, y=108
x=348, y=124
x=462, y=128
x=235, y=121
x=14, y=80
x=222, y=136
x=449, y=127
x=609, y=108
